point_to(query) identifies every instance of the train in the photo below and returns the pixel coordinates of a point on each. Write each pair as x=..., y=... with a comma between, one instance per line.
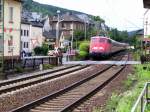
x=103, y=46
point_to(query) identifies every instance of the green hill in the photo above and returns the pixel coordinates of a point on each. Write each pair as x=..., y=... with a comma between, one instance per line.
x=33, y=6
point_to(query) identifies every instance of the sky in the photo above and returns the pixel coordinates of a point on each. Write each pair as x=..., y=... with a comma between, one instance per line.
x=120, y=14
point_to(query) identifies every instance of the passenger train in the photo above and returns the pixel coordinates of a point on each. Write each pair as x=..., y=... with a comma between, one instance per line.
x=102, y=46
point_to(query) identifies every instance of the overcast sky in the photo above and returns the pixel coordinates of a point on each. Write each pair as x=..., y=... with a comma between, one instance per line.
x=121, y=14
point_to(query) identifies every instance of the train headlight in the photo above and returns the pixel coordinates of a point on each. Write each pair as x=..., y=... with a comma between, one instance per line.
x=95, y=48
x=101, y=48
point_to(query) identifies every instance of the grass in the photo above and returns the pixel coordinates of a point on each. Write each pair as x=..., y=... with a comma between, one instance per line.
x=133, y=86
x=48, y=66
x=130, y=96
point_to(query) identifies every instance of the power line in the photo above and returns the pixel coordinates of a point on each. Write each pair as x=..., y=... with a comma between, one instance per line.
x=119, y=16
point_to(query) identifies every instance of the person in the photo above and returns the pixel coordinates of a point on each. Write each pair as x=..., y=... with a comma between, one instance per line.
x=60, y=55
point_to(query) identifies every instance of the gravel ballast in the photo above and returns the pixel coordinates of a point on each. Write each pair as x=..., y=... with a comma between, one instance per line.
x=25, y=95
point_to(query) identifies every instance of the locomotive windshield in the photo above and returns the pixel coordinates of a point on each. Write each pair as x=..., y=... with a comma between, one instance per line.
x=102, y=40
x=95, y=39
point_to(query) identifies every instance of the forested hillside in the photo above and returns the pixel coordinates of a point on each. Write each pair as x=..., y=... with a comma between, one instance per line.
x=32, y=6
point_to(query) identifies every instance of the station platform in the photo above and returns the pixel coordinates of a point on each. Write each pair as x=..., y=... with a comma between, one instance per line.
x=102, y=62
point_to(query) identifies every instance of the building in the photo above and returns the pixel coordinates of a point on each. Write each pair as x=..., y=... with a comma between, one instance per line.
x=10, y=13
x=31, y=36
x=146, y=19
x=68, y=24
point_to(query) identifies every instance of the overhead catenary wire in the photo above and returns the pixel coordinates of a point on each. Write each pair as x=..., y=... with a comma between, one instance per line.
x=115, y=13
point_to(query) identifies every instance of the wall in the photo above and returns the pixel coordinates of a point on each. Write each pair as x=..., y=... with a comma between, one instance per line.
x=36, y=38
x=147, y=24
x=25, y=38
x=15, y=26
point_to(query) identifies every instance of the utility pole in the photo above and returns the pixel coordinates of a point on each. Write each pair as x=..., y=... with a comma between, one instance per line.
x=57, y=29
x=2, y=40
x=85, y=30
x=72, y=37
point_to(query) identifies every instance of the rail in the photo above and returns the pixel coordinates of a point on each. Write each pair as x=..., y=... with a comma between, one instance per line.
x=142, y=100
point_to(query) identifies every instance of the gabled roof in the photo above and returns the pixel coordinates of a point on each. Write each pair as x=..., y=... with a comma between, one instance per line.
x=140, y=32
x=146, y=3
x=51, y=34
x=33, y=23
x=68, y=17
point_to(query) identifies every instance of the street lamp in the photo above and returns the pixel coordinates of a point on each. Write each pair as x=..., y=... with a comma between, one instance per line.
x=72, y=36
x=84, y=30
x=57, y=28
x=85, y=22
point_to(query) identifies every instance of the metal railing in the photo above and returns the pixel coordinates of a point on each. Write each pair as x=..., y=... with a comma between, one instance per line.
x=142, y=100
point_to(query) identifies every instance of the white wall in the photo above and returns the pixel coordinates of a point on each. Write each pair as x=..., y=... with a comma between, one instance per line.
x=15, y=26
x=36, y=38
x=25, y=38
x=147, y=24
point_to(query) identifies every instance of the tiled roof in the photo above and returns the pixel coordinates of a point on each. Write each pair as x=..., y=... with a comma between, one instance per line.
x=68, y=17
x=33, y=23
x=51, y=34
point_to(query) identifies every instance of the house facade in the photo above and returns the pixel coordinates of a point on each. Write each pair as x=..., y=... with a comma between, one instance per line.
x=147, y=24
x=10, y=27
x=69, y=23
x=31, y=36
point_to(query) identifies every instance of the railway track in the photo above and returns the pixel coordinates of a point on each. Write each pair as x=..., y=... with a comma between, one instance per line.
x=13, y=85
x=69, y=98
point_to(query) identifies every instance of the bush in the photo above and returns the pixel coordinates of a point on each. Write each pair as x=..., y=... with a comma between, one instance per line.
x=44, y=49
x=84, y=50
x=18, y=69
x=37, y=50
x=84, y=47
x=41, y=50
x=83, y=54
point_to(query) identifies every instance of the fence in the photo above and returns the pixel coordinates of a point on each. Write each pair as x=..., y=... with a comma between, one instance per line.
x=32, y=62
x=142, y=100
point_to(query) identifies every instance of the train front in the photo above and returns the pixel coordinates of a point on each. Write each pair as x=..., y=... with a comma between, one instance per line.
x=99, y=47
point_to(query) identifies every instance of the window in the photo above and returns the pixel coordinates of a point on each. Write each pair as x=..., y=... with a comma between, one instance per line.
x=95, y=39
x=21, y=33
x=102, y=40
x=24, y=45
x=109, y=41
x=27, y=45
x=24, y=32
x=11, y=14
x=62, y=25
x=27, y=32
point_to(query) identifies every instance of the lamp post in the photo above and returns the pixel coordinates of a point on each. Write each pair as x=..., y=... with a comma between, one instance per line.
x=57, y=28
x=84, y=30
x=72, y=36
x=85, y=25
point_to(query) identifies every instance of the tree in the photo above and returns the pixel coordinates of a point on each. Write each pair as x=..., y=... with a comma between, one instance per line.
x=121, y=36
x=79, y=35
x=98, y=18
x=91, y=32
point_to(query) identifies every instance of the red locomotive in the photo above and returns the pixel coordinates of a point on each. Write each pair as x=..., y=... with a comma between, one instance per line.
x=101, y=46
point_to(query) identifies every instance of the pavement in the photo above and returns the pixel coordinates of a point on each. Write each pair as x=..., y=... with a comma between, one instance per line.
x=102, y=62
